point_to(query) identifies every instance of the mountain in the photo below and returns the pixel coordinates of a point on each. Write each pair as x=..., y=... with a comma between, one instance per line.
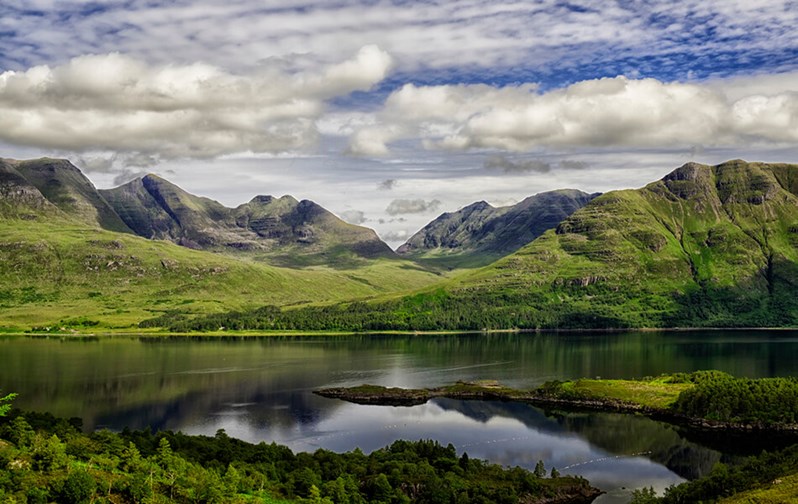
x=282, y=230
x=705, y=246
x=479, y=233
x=68, y=260
x=58, y=182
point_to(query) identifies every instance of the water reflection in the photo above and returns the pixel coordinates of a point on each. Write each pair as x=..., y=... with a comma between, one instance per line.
x=509, y=434
x=260, y=389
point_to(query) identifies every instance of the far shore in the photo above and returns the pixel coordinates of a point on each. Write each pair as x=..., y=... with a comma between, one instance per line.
x=135, y=331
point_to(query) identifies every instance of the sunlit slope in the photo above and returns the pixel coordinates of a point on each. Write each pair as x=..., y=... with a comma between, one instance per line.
x=703, y=246
x=708, y=246
x=55, y=271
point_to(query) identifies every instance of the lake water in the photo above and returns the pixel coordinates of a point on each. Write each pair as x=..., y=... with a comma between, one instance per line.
x=260, y=389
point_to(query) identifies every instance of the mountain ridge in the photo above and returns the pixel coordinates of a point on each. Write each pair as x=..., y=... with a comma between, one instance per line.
x=704, y=246
x=479, y=233
x=279, y=231
x=60, y=270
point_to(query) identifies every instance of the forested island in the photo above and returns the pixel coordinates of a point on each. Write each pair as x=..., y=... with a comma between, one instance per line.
x=706, y=399
x=702, y=400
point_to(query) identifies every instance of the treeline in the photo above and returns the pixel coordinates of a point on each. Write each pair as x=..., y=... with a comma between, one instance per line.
x=724, y=481
x=45, y=459
x=433, y=311
x=722, y=397
x=562, y=307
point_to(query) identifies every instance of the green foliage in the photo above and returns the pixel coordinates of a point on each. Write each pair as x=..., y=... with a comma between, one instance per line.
x=5, y=407
x=60, y=462
x=78, y=487
x=50, y=269
x=721, y=397
x=644, y=496
x=540, y=469
x=726, y=481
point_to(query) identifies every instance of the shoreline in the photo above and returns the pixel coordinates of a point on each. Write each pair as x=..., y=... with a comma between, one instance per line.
x=262, y=333
x=376, y=395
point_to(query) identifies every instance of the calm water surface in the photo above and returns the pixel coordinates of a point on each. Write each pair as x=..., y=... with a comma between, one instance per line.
x=259, y=389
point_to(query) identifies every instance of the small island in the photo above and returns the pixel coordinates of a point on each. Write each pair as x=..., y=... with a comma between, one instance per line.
x=703, y=399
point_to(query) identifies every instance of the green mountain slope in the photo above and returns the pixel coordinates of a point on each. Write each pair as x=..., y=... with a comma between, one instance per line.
x=478, y=234
x=58, y=272
x=278, y=230
x=61, y=265
x=704, y=246
x=63, y=185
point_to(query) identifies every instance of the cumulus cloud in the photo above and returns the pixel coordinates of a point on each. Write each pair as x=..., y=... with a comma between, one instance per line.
x=508, y=165
x=399, y=235
x=113, y=102
x=126, y=175
x=353, y=216
x=412, y=206
x=106, y=163
x=594, y=113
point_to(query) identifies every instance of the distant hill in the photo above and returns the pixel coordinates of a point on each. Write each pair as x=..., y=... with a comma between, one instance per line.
x=705, y=246
x=479, y=233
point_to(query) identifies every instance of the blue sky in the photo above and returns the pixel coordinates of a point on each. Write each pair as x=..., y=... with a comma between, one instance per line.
x=329, y=100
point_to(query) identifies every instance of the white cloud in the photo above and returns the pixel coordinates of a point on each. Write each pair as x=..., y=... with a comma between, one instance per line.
x=595, y=113
x=114, y=102
x=353, y=216
x=412, y=206
x=435, y=34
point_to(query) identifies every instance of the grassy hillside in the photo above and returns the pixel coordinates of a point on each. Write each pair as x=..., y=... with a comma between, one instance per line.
x=63, y=185
x=710, y=246
x=58, y=272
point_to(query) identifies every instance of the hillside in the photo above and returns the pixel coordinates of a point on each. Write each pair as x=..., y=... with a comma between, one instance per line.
x=39, y=183
x=479, y=233
x=278, y=230
x=59, y=267
x=710, y=246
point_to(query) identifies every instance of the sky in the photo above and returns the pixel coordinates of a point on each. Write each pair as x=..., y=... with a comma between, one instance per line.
x=389, y=113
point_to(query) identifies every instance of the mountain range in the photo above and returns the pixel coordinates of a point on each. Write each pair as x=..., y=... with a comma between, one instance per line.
x=703, y=246
x=72, y=256
x=479, y=233
x=281, y=230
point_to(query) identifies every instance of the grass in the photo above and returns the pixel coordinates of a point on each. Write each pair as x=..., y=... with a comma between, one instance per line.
x=58, y=273
x=657, y=393
x=779, y=491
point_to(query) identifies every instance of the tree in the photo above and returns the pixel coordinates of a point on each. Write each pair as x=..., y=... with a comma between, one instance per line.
x=644, y=496
x=540, y=469
x=78, y=487
x=555, y=473
x=5, y=407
